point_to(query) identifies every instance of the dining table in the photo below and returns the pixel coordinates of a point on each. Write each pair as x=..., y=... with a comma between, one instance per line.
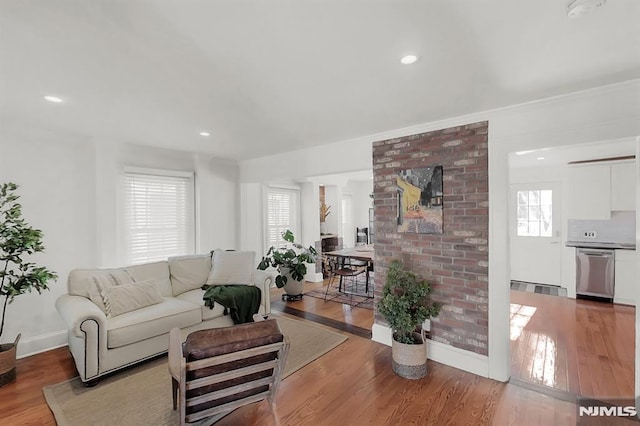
x=364, y=253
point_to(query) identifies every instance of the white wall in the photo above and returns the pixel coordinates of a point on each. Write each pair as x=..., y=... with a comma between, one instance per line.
x=69, y=189
x=361, y=202
x=57, y=190
x=606, y=113
x=637, y=298
x=333, y=199
x=217, y=192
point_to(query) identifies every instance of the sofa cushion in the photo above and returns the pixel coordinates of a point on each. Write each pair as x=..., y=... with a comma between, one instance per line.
x=158, y=271
x=195, y=297
x=151, y=321
x=89, y=282
x=125, y=298
x=232, y=267
x=189, y=272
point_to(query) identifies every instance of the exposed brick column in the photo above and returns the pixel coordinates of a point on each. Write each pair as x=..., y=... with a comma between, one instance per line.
x=456, y=262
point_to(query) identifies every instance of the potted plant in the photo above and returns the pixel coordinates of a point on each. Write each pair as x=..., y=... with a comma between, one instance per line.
x=405, y=304
x=324, y=212
x=290, y=261
x=17, y=276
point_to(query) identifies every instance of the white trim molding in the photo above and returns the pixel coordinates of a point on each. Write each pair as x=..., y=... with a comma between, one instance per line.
x=44, y=342
x=442, y=353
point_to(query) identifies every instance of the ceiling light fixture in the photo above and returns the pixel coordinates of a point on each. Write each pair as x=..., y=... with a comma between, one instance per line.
x=53, y=99
x=540, y=158
x=409, y=59
x=205, y=134
x=577, y=8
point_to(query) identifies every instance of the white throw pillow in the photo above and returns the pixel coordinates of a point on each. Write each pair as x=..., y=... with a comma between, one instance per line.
x=107, y=279
x=130, y=297
x=232, y=267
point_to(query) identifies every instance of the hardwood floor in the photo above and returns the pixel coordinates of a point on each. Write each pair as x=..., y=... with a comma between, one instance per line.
x=22, y=402
x=580, y=347
x=353, y=319
x=352, y=384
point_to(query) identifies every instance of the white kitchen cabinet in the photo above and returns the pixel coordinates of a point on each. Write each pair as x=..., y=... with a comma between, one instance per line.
x=623, y=176
x=625, y=277
x=589, y=191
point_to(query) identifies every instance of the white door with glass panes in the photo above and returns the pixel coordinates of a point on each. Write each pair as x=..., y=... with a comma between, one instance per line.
x=535, y=246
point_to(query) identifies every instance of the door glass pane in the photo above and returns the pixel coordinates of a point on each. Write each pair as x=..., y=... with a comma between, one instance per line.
x=523, y=212
x=534, y=212
x=534, y=198
x=534, y=229
x=545, y=198
x=523, y=197
x=523, y=228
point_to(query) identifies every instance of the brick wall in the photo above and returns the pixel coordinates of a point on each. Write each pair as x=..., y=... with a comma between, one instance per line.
x=455, y=262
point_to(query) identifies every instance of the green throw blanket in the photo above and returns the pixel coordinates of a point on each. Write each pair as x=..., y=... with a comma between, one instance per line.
x=239, y=301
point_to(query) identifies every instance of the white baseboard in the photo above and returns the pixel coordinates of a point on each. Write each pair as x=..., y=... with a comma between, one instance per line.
x=439, y=352
x=624, y=301
x=42, y=343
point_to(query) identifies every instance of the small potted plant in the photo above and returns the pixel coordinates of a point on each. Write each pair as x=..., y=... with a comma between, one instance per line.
x=291, y=262
x=324, y=212
x=17, y=276
x=405, y=304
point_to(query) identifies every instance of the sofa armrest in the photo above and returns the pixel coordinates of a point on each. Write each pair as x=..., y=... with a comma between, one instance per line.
x=74, y=310
x=87, y=326
x=264, y=280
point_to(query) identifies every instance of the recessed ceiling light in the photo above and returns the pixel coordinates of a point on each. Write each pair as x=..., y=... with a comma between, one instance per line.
x=409, y=59
x=53, y=99
x=205, y=134
x=540, y=158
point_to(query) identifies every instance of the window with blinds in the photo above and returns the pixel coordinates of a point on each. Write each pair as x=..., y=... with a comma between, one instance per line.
x=282, y=214
x=158, y=214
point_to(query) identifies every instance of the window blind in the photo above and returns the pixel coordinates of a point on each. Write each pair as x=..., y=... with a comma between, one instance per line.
x=158, y=215
x=282, y=214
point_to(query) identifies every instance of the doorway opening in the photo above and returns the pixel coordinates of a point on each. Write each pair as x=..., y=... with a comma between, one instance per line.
x=560, y=345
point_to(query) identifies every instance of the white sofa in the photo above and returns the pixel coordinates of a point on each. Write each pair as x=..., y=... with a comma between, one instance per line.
x=102, y=343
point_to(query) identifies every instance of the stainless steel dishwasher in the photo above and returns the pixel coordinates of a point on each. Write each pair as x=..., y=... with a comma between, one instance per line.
x=595, y=272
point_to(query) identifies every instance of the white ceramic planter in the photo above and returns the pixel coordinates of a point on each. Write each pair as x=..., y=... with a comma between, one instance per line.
x=292, y=287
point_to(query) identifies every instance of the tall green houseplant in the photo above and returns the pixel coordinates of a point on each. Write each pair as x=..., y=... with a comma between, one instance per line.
x=17, y=241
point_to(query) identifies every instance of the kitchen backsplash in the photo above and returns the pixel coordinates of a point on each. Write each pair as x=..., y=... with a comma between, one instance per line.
x=621, y=228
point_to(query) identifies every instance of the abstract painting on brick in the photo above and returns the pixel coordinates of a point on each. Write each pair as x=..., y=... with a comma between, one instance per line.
x=420, y=200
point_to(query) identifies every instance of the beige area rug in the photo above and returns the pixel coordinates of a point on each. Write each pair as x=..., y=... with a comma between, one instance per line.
x=142, y=395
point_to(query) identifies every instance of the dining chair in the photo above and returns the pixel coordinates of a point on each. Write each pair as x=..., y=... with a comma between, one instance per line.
x=343, y=271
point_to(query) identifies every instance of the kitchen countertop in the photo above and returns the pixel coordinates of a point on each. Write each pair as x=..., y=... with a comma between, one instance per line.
x=602, y=245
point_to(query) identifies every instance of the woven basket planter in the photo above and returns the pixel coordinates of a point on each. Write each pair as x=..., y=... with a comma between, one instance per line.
x=8, y=362
x=410, y=361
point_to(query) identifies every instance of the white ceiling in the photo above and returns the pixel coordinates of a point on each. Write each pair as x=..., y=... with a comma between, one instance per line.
x=269, y=76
